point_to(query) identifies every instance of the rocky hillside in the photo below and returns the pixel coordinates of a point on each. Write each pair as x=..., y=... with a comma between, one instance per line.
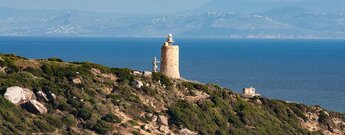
x=55, y=97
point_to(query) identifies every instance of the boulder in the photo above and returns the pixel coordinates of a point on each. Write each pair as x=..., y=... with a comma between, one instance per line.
x=148, y=115
x=76, y=81
x=186, y=131
x=154, y=118
x=35, y=107
x=2, y=69
x=164, y=129
x=52, y=96
x=163, y=120
x=99, y=73
x=151, y=116
x=18, y=95
x=137, y=73
x=147, y=74
x=42, y=96
x=145, y=127
x=137, y=84
x=96, y=71
x=197, y=96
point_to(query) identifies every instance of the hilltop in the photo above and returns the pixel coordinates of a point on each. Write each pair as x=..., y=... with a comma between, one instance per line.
x=86, y=98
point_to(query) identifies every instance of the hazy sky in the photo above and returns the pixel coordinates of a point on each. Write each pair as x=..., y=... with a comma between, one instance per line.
x=120, y=6
x=171, y=6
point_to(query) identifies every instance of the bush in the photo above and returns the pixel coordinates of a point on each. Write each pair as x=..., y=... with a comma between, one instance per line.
x=10, y=64
x=188, y=85
x=163, y=79
x=112, y=118
x=149, y=91
x=46, y=128
x=89, y=65
x=325, y=119
x=136, y=133
x=54, y=120
x=102, y=127
x=124, y=74
x=191, y=116
x=114, y=98
x=133, y=123
x=69, y=120
x=55, y=59
x=196, y=86
x=34, y=71
x=84, y=114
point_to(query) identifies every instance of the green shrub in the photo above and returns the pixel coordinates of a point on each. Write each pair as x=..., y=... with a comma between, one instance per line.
x=10, y=64
x=124, y=74
x=136, y=133
x=102, y=127
x=196, y=86
x=149, y=91
x=75, y=103
x=325, y=119
x=114, y=98
x=163, y=79
x=299, y=110
x=45, y=128
x=84, y=114
x=89, y=65
x=191, y=116
x=55, y=59
x=133, y=123
x=69, y=120
x=34, y=71
x=112, y=118
x=54, y=120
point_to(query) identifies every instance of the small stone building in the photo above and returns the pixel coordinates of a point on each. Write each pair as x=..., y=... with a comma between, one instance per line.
x=249, y=92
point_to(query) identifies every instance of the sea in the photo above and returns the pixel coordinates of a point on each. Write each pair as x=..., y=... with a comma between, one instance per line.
x=303, y=71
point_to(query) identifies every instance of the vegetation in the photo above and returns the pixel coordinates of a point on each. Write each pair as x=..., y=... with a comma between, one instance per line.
x=95, y=103
x=163, y=79
x=112, y=118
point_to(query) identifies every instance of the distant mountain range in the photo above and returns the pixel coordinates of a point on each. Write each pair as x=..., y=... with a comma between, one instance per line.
x=211, y=21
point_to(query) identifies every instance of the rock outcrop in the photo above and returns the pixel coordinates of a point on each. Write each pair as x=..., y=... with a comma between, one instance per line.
x=97, y=72
x=2, y=68
x=163, y=120
x=164, y=129
x=18, y=95
x=137, y=84
x=77, y=81
x=147, y=74
x=197, y=96
x=27, y=99
x=42, y=96
x=35, y=107
x=137, y=73
x=186, y=131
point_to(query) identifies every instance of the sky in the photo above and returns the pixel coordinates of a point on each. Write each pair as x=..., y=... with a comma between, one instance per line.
x=173, y=6
x=118, y=6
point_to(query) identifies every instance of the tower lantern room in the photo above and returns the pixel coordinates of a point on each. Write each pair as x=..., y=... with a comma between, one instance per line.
x=170, y=40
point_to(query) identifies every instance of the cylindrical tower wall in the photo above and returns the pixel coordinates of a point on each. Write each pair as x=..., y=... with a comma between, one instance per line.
x=170, y=61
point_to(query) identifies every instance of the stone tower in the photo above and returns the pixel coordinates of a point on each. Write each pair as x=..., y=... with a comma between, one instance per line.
x=170, y=59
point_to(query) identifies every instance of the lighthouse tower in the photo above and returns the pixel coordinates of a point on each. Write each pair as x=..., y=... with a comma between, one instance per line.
x=170, y=59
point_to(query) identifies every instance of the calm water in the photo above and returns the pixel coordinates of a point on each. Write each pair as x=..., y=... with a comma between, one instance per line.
x=307, y=71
